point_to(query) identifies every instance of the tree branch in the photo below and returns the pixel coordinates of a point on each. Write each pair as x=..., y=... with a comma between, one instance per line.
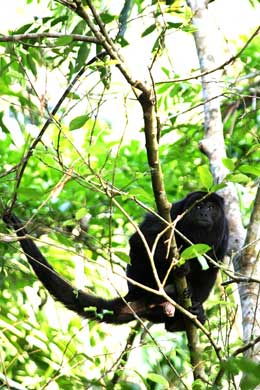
x=216, y=68
x=22, y=37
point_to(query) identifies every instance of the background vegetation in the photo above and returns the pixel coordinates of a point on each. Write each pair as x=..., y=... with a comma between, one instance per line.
x=94, y=143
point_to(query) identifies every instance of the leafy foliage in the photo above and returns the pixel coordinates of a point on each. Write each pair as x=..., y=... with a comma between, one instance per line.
x=84, y=160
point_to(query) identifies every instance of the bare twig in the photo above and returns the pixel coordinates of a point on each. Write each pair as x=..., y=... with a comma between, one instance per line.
x=36, y=36
x=220, y=67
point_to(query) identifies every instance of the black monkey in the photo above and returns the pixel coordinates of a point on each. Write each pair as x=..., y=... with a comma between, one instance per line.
x=203, y=222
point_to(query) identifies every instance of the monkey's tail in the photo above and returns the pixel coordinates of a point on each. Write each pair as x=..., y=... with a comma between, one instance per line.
x=86, y=305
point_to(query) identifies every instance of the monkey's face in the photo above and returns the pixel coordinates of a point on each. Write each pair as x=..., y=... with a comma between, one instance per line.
x=206, y=213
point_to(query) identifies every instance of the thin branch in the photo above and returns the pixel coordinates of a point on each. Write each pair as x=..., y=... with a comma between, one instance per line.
x=108, y=46
x=222, y=66
x=247, y=346
x=45, y=127
x=22, y=37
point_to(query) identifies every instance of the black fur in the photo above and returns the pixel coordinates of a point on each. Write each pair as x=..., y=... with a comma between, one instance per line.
x=204, y=222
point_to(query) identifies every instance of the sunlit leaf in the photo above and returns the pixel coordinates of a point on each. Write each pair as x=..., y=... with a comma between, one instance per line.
x=205, y=176
x=63, y=41
x=158, y=379
x=238, y=178
x=194, y=250
x=78, y=122
x=250, y=169
x=81, y=213
x=228, y=163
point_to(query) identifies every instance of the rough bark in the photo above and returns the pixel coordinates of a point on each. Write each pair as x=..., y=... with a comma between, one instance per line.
x=247, y=264
x=213, y=143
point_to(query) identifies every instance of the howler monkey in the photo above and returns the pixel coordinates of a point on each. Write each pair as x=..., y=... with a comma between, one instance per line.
x=203, y=221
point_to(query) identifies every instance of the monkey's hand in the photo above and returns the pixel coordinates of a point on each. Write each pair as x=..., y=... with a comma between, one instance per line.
x=182, y=270
x=197, y=310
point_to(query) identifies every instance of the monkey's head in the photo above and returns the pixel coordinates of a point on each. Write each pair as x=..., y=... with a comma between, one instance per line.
x=204, y=211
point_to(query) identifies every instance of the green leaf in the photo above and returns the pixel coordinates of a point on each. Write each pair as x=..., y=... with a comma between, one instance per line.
x=24, y=28
x=87, y=309
x=228, y=163
x=205, y=176
x=218, y=187
x=253, y=149
x=79, y=28
x=238, y=178
x=29, y=192
x=251, y=377
x=122, y=256
x=63, y=41
x=140, y=193
x=164, y=87
x=122, y=41
x=82, y=54
x=158, y=379
x=107, y=18
x=166, y=71
x=189, y=29
x=81, y=213
x=125, y=385
x=54, y=21
x=198, y=384
x=174, y=25
x=194, y=251
x=149, y=30
x=78, y=122
x=31, y=64
x=250, y=169
x=4, y=90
